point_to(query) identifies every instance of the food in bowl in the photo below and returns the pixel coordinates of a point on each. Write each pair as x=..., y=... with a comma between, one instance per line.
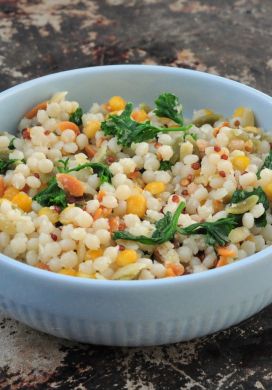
x=126, y=192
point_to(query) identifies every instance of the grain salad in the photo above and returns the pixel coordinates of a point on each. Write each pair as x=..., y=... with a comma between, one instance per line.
x=127, y=191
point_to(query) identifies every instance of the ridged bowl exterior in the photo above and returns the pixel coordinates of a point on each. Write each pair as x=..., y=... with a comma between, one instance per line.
x=136, y=313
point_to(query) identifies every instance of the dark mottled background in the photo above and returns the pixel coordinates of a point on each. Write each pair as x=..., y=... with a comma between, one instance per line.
x=227, y=37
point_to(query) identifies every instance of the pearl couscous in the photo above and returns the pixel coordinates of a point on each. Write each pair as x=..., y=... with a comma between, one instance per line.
x=124, y=192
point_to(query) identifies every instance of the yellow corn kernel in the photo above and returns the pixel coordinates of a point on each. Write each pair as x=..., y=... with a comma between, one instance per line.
x=268, y=190
x=136, y=204
x=239, y=111
x=68, y=271
x=240, y=162
x=116, y=103
x=139, y=116
x=91, y=128
x=94, y=254
x=125, y=257
x=10, y=192
x=83, y=275
x=155, y=187
x=51, y=214
x=246, y=115
x=23, y=201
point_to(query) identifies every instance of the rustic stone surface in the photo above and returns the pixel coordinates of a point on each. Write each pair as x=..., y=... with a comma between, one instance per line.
x=227, y=37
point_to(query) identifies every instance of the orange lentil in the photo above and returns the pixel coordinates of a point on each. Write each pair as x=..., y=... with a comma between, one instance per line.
x=2, y=186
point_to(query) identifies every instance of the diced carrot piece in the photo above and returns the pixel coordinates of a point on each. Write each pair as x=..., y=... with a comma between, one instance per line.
x=222, y=261
x=2, y=186
x=70, y=184
x=169, y=272
x=98, y=213
x=90, y=151
x=106, y=212
x=42, y=266
x=114, y=223
x=133, y=175
x=139, y=116
x=33, y=112
x=178, y=269
x=100, y=141
x=100, y=195
x=68, y=125
x=226, y=252
x=10, y=192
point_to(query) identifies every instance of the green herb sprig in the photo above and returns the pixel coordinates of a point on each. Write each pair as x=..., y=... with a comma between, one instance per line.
x=165, y=229
x=127, y=131
x=76, y=116
x=168, y=105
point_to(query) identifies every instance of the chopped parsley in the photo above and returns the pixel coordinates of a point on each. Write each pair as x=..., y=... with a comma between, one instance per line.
x=52, y=195
x=7, y=164
x=165, y=229
x=240, y=195
x=267, y=164
x=168, y=105
x=76, y=116
x=127, y=131
x=165, y=165
x=216, y=233
x=11, y=144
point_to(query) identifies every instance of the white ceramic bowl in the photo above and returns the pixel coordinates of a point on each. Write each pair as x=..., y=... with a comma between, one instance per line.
x=136, y=313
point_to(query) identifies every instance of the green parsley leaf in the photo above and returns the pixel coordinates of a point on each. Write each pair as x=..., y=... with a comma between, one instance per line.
x=240, y=195
x=76, y=116
x=168, y=105
x=128, y=131
x=52, y=195
x=5, y=165
x=165, y=165
x=11, y=143
x=100, y=169
x=165, y=229
x=216, y=233
x=267, y=164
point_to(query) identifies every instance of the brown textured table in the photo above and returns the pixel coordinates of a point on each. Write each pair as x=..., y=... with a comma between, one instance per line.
x=227, y=37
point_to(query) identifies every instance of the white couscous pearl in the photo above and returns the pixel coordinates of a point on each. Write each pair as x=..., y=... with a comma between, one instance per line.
x=92, y=206
x=166, y=152
x=109, y=201
x=82, y=141
x=123, y=192
x=70, y=147
x=258, y=210
x=92, y=241
x=4, y=141
x=142, y=149
x=84, y=219
x=67, y=244
x=45, y=166
x=18, y=181
x=104, y=236
x=69, y=259
x=33, y=182
x=248, y=220
x=68, y=136
x=78, y=234
x=101, y=223
x=248, y=179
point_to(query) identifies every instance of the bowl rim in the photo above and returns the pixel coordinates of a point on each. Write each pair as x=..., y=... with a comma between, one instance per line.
x=205, y=276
